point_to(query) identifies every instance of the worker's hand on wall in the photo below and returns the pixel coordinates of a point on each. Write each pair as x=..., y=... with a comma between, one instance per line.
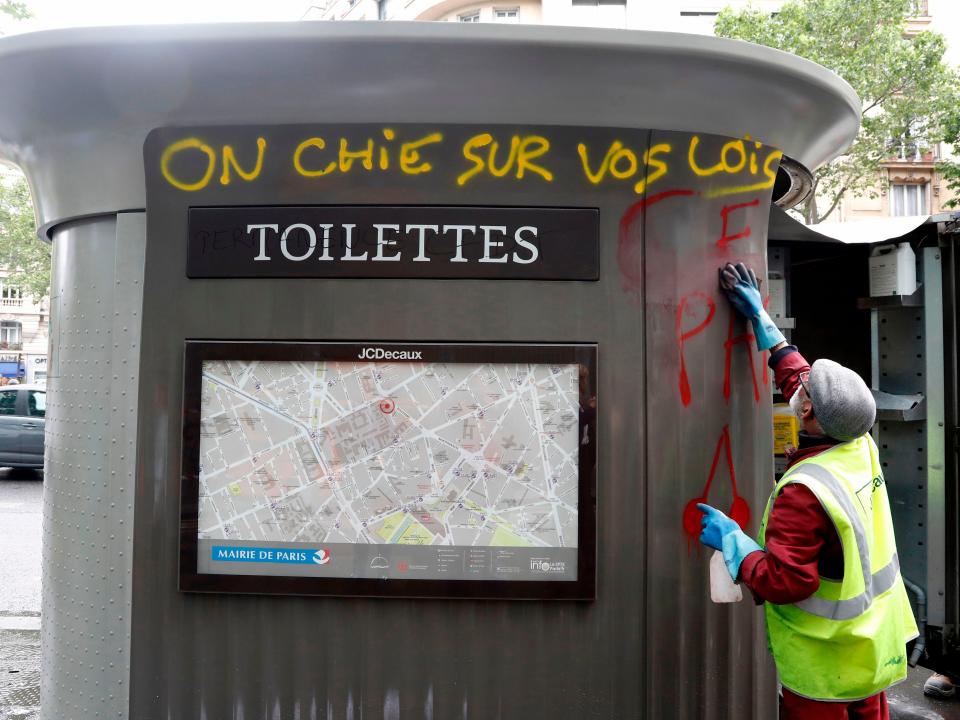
x=742, y=288
x=723, y=534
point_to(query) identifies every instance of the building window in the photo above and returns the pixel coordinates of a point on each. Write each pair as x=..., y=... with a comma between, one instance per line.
x=507, y=15
x=9, y=334
x=908, y=199
x=10, y=295
x=470, y=17
x=920, y=8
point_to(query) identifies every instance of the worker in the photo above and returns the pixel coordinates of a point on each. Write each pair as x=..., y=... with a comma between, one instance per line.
x=825, y=567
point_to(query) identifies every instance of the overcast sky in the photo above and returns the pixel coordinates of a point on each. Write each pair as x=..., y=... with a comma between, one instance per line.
x=50, y=14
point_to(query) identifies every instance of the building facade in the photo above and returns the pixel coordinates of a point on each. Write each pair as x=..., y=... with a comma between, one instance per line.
x=907, y=185
x=24, y=334
x=686, y=17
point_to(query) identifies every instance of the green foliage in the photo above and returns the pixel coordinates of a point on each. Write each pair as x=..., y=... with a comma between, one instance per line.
x=16, y=10
x=25, y=258
x=907, y=90
x=950, y=169
x=22, y=254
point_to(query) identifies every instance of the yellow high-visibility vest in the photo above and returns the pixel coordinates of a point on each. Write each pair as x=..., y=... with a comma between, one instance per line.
x=847, y=641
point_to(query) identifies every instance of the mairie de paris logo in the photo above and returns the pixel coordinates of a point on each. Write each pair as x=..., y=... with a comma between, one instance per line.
x=321, y=556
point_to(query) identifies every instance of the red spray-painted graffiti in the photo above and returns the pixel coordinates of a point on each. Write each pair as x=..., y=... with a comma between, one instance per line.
x=683, y=336
x=694, y=313
x=747, y=340
x=629, y=245
x=726, y=239
x=739, y=508
x=685, y=310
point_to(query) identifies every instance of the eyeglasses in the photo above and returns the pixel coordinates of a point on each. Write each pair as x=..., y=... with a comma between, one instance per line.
x=804, y=378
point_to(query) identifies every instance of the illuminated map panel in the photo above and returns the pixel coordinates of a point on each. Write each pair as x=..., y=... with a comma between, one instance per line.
x=407, y=463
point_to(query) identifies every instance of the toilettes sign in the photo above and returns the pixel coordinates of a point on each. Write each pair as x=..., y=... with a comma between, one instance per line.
x=396, y=242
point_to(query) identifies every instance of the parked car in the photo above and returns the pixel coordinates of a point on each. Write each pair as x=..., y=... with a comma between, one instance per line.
x=22, y=412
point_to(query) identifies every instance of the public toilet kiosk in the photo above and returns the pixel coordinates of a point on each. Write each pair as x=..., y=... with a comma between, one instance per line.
x=388, y=364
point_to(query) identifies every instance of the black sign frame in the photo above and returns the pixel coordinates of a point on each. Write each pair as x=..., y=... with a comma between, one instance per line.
x=191, y=580
x=394, y=241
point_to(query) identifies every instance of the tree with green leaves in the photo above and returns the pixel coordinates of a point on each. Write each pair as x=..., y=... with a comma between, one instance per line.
x=907, y=90
x=949, y=168
x=16, y=10
x=25, y=258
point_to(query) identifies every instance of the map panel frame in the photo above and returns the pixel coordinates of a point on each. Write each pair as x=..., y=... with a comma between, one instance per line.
x=194, y=578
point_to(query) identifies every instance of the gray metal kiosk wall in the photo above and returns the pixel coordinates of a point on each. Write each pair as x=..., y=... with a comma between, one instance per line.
x=649, y=131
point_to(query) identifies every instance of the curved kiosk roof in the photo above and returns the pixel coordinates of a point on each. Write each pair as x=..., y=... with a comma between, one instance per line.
x=78, y=103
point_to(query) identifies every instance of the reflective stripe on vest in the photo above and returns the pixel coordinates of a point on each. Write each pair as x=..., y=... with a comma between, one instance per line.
x=874, y=583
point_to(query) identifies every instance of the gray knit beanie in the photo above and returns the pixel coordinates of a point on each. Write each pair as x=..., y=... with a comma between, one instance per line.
x=842, y=402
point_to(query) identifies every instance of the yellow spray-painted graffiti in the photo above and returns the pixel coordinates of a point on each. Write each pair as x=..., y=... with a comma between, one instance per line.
x=410, y=161
x=319, y=144
x=523, y=151
x=622, y=164
x=229, y=160
x=746, y=165
x=734, y=159
x=180, y=146
x=409, y=158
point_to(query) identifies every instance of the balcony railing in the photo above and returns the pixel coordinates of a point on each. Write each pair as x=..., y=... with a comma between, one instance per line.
x=912, y=152
x=4, y=345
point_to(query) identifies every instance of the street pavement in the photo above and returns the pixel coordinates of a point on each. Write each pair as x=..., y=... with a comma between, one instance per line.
x=20, y=669
x=907, y=701
x=20, y=511
x=20, y=537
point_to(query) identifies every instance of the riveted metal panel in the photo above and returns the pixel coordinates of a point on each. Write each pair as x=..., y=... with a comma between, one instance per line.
x=89, y=458
x=936, y=436
x=708, y=439
x=617, y=656
x=901, y=350
x=951, y=329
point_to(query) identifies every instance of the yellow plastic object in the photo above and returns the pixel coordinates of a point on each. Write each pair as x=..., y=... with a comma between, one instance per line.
x=785, y=428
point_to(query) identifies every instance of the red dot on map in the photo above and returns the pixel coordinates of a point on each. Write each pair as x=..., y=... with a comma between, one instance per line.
x=387, y=406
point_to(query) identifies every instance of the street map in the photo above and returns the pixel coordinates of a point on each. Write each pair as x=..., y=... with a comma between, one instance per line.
x=400, y=453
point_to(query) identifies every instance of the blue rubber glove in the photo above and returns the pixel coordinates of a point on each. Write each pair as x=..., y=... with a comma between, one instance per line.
x=742, y=288
x=723, y=534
